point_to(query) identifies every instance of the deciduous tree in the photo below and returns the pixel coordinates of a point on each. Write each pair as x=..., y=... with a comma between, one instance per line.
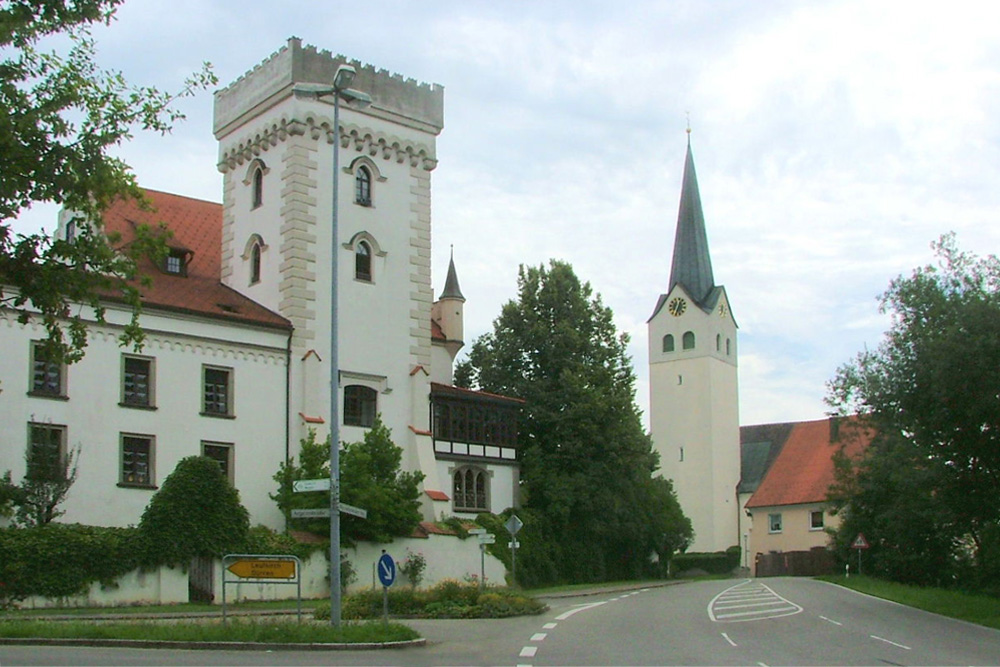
x=932, y=390
x=587, y=465
x=62, y=114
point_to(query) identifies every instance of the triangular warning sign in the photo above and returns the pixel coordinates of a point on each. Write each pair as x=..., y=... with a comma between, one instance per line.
x=860, y=542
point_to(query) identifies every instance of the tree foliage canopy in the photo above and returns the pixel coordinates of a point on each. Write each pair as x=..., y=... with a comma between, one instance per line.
x=587, y=465
x=930, y=484
x=62, y=115
x=370, y=478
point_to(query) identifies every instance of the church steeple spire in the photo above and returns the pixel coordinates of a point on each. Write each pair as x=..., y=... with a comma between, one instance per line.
x=451, y=288
x=692, y=265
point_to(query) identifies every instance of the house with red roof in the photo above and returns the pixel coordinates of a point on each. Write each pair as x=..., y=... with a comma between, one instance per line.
x=788, y=470
x=241, y=319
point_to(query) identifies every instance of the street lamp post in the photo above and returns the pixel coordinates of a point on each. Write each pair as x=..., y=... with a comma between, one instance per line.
x=340, y=90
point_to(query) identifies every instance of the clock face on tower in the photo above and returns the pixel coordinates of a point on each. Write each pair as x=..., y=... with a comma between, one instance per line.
x=723, y=311
x=677, y=307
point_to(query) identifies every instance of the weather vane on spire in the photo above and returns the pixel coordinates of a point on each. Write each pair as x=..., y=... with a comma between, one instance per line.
x=688, y=130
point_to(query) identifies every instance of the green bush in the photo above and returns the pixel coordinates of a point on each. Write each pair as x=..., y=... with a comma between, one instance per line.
x=196, y=512
x=447, y=599
x=61, y=560
x=718, y=562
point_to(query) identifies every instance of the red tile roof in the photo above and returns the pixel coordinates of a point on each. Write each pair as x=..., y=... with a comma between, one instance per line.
x=197, y=229
x=437, y=333
x=438, y=388
x=803, y=470
x=436, y=495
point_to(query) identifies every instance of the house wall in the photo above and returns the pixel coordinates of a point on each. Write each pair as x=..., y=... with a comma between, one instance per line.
x=796, y=534
x=179, y=346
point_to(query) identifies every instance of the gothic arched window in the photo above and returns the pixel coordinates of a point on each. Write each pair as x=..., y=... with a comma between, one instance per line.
x=258, y=188
x=471, y=490
x=363, y=261
x=363, y=186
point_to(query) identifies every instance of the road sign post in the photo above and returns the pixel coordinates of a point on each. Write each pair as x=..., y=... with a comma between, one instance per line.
x=262, y=568
x=387, y=575
x=513, y=525
x=859, y=543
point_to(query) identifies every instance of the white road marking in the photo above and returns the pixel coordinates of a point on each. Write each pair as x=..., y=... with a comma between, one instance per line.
x=748, y=595
x=889, y=642
x=761, y=664
x=566, y=614
x=550, y=626
x=726, y=637
x=528, y=652
x=830, y=620
x=538, y=636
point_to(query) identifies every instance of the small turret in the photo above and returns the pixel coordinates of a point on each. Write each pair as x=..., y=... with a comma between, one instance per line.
x=449, y=311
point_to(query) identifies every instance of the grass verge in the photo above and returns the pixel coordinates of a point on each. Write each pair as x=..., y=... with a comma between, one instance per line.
x=183, y=608
x=979, y=609
x=234, y=631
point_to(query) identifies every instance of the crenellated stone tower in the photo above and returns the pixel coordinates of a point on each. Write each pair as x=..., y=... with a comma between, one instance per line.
x=276, y=143
x=694, y=407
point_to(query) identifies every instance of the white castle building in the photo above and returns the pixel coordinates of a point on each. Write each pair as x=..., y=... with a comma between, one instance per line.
x=236, y=363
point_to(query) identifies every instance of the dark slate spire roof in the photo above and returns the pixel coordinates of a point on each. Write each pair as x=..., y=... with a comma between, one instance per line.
x=692, y=266
x=451, y=288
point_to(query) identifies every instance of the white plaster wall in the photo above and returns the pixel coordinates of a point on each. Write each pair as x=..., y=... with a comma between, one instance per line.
x=795, y=535
x=164, y=585
x=94, y=420
x=503, y=480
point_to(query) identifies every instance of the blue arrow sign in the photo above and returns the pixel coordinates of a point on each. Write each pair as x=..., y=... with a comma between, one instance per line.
x=386, y=570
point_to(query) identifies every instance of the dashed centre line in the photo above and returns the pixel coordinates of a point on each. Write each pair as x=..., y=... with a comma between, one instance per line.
x=881, y=639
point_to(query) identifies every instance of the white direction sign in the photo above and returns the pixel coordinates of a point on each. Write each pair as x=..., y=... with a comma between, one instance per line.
x=487, y=539
x=320, y=513
x=304, y=485
x=353, y=511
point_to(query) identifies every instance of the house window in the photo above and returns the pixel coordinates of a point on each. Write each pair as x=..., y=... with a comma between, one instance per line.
x=816, y=520
x=471, y=490
x=363, y=187
x=48, y=447
x=137, y=460
x=688, y=340
x=359, y=405
x=258, y=188
x=217, y=391
x=668, y=343
x=174, y=263
x=363, y=261
x=221, y=453
x=47, y=375
x=774, y=523
x=137, y=382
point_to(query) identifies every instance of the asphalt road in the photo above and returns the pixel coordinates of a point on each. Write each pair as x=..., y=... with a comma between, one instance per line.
x=769, y=622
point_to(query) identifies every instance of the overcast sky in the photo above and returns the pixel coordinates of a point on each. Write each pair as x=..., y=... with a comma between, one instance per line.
x=833, y=142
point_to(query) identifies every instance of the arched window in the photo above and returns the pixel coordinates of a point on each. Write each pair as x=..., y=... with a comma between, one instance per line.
x=727, y=347
x=363, y=186
x=258, y=187
x=718, y=342
x=255, y=264
x=668, y=343
x=688, y=340
x=360, y=403
x=363, y=261
x=471, y=490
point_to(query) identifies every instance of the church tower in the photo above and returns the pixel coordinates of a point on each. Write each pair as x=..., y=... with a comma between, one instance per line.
x=694, y=407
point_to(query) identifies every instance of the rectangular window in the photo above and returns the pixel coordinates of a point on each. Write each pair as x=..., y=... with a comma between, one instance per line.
x=816, y=520
x=217, y=391
x=221, y=453
x=774, y=523
x=137, y=382
x=360, y=405
x=174, y=263
x=47, y=448
x=47, y=377
x=137, y=460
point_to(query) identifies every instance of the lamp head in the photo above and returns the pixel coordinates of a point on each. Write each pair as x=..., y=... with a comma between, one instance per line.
x=344, y=77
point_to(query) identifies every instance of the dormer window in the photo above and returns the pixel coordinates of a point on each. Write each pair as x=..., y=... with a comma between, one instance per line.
x=363, y=186
x=174, y=263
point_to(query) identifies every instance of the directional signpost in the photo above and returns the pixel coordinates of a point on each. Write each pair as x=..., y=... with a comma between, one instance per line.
x=513, y=525
x=261, y=568
x=386, y=567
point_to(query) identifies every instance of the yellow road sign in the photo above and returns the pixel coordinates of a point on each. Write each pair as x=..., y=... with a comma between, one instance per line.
x=259, y=568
